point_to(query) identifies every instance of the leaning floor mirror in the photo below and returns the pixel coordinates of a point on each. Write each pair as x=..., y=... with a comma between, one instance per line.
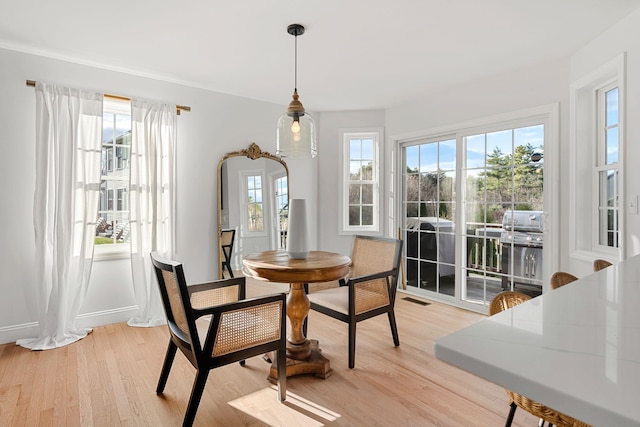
x=253, y=206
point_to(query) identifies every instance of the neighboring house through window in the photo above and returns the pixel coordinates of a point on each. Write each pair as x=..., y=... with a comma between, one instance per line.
x=112, y=229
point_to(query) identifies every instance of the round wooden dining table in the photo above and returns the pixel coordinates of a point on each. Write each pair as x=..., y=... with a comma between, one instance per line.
x=303, y=355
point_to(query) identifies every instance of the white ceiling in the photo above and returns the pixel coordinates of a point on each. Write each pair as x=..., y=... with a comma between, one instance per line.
x=355, y=54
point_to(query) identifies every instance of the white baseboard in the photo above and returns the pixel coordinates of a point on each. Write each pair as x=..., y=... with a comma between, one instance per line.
x=9, y=334
x=13, y=333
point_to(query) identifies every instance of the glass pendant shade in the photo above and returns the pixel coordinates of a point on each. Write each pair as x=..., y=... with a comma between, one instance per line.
x=296, y=138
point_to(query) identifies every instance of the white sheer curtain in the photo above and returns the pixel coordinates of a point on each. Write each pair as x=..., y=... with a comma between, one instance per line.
x=152, y=202
x=68, y=159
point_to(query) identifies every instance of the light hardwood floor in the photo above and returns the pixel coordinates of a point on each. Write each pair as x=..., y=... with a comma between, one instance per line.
x=109, y=379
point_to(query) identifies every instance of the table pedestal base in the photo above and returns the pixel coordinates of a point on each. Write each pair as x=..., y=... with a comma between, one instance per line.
x=304, y=355
x=315, y=364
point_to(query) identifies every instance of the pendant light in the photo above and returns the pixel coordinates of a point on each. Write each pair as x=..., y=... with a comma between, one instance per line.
x=296, y=132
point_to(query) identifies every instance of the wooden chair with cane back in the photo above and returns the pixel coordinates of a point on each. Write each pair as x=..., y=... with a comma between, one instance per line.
x=214, y=325
x=370, y=289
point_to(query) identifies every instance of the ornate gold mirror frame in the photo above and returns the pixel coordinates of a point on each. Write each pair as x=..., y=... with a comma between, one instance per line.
x=253, y=152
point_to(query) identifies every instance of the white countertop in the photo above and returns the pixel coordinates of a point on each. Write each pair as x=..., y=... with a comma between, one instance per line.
x=575, y=349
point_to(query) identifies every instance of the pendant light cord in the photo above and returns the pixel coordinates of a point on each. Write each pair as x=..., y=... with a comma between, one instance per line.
x=295, y=56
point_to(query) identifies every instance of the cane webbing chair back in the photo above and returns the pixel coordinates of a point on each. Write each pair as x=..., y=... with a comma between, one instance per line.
x=213, y=325
x=504, y=301
x=371, y=256
x=217, y=296
x=177, y=314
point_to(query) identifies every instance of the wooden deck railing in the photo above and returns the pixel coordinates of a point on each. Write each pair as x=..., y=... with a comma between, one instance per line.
x=485, y=254
x=484, y=246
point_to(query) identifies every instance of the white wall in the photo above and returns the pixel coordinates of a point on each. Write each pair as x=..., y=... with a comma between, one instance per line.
x=622, y=37
x=539, y=84
x=218, y=123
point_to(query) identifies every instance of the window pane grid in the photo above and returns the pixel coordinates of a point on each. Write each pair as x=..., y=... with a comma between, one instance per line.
x=112, y=225
x=255, y=211
x=282, y=205
x=606, y=171
x=511, y=178
x=362, y=183
x=501, y=170
x=429, y=196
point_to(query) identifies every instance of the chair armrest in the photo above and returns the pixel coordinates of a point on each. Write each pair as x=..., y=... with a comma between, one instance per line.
x=218, y=292
x=360, y=279
x=216, y=284
x=239, y=305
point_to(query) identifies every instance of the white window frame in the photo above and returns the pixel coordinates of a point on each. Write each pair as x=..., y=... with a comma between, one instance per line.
x=549, y=115
x=601, y=165
x=122, y=250
x=274, y=220
x=244, y=202
x=586, y=147
x=376, y=134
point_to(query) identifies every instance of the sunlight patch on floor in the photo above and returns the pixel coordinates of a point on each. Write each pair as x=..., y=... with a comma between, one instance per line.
x=298, y=411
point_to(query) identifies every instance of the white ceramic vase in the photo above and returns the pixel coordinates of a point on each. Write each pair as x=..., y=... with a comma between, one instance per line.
x=297, y=238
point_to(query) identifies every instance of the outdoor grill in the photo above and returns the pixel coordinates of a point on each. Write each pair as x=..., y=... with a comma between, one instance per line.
x=522, y=244
x=429, y=241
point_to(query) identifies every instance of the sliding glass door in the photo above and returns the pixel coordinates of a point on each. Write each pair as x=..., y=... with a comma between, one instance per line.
x=457, y=191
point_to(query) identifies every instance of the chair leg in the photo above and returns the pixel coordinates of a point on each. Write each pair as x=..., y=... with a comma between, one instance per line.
x=196, y=395
x=352, y=344
x=281, y=362
x=394, y=328
x=512, y=412
x=166, y=367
